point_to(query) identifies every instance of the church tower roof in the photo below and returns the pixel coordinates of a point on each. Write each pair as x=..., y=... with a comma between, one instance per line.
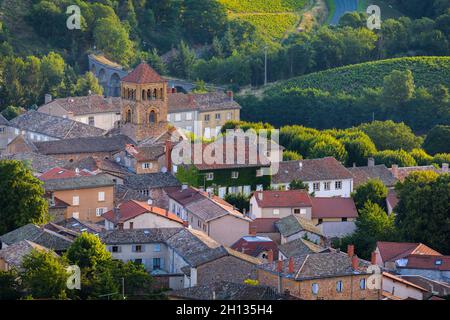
x=143, y=74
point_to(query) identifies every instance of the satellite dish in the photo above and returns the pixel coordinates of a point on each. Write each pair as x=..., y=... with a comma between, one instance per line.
x=164, y=170
x=149, y=202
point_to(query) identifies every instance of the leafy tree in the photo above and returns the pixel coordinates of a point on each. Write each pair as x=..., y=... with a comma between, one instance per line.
x=398, y=157
x=438, y=140
x=44, y=275
x=358, y=148
x=87, y=251
x=200, y=87
x=373, y=190
x=189, y=175
x=353, y=20
x=291, y=155
x=327, y=146
x=441, y=158
x=388, y=135
x=9, y=285
x=422, y=158
x=21, y=197
x=184, y=61
x=239, y=200
x=88, y=84
x=112, y=38
x=372, y=225
x=156, y=62
x=398, y=87
x=423, y=213
x=298, y=185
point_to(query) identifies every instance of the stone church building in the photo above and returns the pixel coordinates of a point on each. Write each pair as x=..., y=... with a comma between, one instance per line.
x=145, y=104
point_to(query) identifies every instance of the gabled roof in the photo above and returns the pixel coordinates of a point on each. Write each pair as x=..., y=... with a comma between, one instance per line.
x=84, y=145
x=336, y=207
x=254, y=245
x=391, y=251
x=299, y=247
x=146, y=153
x=81, y=226
x=292, y=224
x=55, y=127
x=87, y=104
x=318, y=265
x=39, y=163
x=228, y=291
x=14, y=254
x=143, y=74
x=208, y=209
x=402, y=172
x=283, y=199
x=94, y=164
x=428, y=262
x=184, y=196
x=362, y=174
x=211, y=101
x=41, y=236
x=311, y=170
x=81, y=182
x=403, y=281
x=61, y=173
x=131, y=209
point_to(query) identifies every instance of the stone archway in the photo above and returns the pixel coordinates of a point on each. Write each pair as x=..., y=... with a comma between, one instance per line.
x=114, y=85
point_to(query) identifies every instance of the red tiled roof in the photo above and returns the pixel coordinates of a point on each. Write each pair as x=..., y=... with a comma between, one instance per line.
x=131, y=209
x=143, y=73
x=391, y=251
x=430, y=262
x=333, y=208
x=61, y=173
x=392, y=198
x=252, y=246
x=264, y=225
x=282, y=199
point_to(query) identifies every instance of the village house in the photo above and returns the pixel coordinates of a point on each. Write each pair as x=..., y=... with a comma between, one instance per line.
x=318, y=217
x=76, y=149
x=208, y=213
x=363, y=174
x=38, y=126
x=96, y=165
x=11, y=257
x=224, y=167
x=94, y=110
x=38, y=163
x=387, y=253
x=140, y=215
x=61, y=173
x=326, y=177
x=202, y=114
x=400, y=173
x=39, y=235
x=88, y=196
x=147, y=188
x=434, y=288
x=320, y=276
x=430, y=266
x=180, y=257
x=144, y=159
x=396, y=288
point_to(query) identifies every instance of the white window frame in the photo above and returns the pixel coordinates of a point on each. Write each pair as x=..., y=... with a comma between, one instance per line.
x=101, y=196
x=75, y=200
x=177, y=117
x=100, y=211
x=276, y=212
x=327, y=186
x=188, y=115
x=147, y=165
x=210, y=176
x=338, y=185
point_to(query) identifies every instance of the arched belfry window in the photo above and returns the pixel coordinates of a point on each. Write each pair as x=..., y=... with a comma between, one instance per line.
x=128, y=117
x=154, y=94
x=152, y=117
x=143, y=94
x=161, y=96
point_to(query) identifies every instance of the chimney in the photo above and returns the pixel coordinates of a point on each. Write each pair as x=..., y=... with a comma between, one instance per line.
x=280, y=266
x=77, y=172
x=373, y=258
x=445, y=168
x=48, y=98
x=291, y=265
x=260, y=195
x=351, y=250
x=230, y=95
x=169, y=156
x=185, y=224
x=190, y=98
x=270, y=256
x=355, y=262
x=253, y=231
x=116, y=211
x=394, y=170
x=174, y=90
x=371, y=162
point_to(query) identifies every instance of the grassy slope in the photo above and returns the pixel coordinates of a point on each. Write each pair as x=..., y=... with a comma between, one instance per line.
x=427, y=71
x=273, y=19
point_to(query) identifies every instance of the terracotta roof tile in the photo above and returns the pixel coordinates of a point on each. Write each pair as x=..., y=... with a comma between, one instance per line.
x=333, y=208
x=142, y=74
x=429, y=262
x=282, y=199
x=391, y=251
x=61, y=173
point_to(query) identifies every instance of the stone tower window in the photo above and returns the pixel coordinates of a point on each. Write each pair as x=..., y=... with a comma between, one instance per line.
x=128, y=117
